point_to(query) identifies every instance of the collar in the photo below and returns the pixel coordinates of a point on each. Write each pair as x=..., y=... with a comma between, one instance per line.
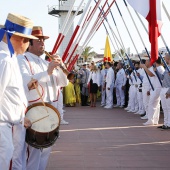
x=4, y=47
x=35, y=57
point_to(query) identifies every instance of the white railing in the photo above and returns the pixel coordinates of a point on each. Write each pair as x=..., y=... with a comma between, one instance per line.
x=64, y=8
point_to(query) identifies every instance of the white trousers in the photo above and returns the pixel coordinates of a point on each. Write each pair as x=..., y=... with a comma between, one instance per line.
x=140, y=101
x=120, y=95
x=19, y=155
x=103, y=95
x=145, y=99
x=38, y=159
x=60, y=105
x=6, y=146
x=165, y=106
x=132, y=97
x=109, y=97
x=154, y=106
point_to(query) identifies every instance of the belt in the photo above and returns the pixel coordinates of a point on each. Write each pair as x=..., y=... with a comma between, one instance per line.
x=6, y=124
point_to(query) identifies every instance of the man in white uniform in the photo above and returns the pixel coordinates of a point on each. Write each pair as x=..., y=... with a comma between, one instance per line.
x=103, y=81
x=110, y=78
x=120, y=83
x=154, y=100
x=14, y=40
x=145, y=88
x=49, y=79
x=165, y=94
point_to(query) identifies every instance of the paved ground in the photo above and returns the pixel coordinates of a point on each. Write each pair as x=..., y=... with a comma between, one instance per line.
x=99, y=139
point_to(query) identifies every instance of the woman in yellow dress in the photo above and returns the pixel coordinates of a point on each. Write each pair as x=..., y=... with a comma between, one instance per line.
x=69, y=94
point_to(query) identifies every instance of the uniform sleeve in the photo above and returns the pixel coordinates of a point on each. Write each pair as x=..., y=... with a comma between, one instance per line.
x=61, y=78
x=5, y=74
x=99, y=78
x=124, y=78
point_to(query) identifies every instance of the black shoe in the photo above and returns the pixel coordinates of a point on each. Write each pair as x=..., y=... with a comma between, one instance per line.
x=165, y=127
x=85, y=105
x=160, y=127
x=142, y=115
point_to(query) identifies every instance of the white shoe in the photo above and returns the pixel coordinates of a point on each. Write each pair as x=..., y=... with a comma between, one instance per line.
x=130, y=110
x=63, y=122
x=102, y=105
x=116, y=106
x=142, y=112
x=108, y=107
x=64, y=111
x=135, y=111
x=144, y=117
x=148, y=123
x=121, y=106
x=127, y=108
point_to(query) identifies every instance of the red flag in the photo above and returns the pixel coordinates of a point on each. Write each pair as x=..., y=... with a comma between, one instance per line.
x=151, y=10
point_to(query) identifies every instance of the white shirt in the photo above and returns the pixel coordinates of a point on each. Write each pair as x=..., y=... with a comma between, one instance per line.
x=13, y=102
x=103, y=76
x=120, y=78
x=110, y=78
x=95, y=76
x=145, y=81
x=36, y=68
x=154, y=80
x=138, y=79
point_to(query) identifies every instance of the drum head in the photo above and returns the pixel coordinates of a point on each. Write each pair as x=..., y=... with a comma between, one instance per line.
x=43, y=120
x=45, y=125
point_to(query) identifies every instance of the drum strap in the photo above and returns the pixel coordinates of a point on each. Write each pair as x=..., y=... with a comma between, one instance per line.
x=29, y=65
x=56, y=96
x=39, y=84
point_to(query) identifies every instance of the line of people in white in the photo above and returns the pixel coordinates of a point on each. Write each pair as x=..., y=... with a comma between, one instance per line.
x=148, y=88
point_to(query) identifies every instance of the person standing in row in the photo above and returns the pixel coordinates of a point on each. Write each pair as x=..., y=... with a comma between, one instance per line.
x=103, y=82
x=83, y=75
x=145, y=89
x=154, y=100
x=165, y=94
x=94, y=81
x=14, y=40
x=110, y=78
x=120, y=83
x=50, y=80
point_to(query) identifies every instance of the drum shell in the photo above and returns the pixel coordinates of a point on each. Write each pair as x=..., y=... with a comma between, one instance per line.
x=41, y=140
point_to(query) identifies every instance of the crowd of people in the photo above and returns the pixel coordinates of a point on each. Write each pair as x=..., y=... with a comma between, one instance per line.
x=135, y=86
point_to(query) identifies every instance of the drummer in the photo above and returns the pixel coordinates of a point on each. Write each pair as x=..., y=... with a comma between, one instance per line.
x=49, y=80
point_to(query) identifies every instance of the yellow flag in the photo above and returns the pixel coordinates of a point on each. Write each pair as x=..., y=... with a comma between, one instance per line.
x=107, y=51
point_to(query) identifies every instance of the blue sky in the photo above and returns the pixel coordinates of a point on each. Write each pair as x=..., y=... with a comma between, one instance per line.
x=37, y=10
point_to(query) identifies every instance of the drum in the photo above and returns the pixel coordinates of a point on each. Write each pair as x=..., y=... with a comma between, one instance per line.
x=45, y=125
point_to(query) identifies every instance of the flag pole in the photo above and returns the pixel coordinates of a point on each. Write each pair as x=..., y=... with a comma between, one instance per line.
x=74, y=33
x=55, y=48
x=142, y=43
x=76, y=42
x=161, y=37
x=114, y=35
x=89, y=19
x=85, y=26
x=74, y=45
x=93, y=31
x=166, y=11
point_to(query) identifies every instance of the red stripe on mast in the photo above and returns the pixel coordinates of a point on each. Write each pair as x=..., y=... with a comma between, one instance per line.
x=70, y=43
